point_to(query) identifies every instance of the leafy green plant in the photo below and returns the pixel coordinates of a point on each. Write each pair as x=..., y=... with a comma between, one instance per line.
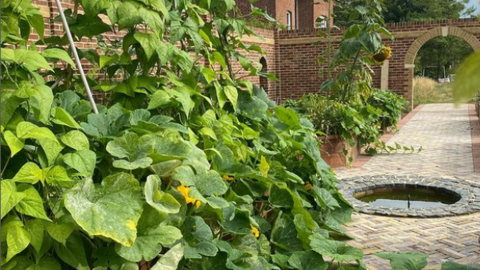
x=185, y=166
x=417, y=261
x=391, y=105
x=349, y=73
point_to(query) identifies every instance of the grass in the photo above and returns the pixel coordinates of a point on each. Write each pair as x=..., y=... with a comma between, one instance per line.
x=426, y=90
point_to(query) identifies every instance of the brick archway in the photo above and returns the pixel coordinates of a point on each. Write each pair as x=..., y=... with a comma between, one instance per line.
x=440, y=32
x=415, y=47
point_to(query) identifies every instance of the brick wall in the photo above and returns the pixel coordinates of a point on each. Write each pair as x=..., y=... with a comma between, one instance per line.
x=298, y=51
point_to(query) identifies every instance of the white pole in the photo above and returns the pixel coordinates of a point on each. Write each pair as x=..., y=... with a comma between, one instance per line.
x=77, y=59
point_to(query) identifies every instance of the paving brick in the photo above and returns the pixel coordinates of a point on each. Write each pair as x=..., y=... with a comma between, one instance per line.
x=446, y=135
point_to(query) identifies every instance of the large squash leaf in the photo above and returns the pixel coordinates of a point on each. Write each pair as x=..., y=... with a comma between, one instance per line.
x=111, y=209
x=207, y=183
x=163, y=202
x=132, y=147
x=149, y=241
x=170, y=260
x=335, y=249
x=405, y=261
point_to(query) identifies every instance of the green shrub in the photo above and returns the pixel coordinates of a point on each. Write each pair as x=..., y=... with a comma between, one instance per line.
x=391, y=105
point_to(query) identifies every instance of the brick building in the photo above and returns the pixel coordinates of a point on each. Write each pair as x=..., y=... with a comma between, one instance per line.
x=293, y=14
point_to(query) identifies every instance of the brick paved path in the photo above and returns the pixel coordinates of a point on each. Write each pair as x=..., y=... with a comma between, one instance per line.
x=444, y=133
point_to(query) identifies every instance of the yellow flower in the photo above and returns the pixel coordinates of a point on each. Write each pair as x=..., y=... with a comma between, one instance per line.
x=308, y=186
x=227, y=177
x=185, y=190
x=255, y=231
x=383, y=54
x=198, y=204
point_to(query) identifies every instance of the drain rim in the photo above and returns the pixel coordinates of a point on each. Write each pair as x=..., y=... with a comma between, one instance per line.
x=469, y=202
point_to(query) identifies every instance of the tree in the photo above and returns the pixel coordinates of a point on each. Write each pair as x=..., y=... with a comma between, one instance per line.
x=440, y=53
x=425, y=10
x=408, y=10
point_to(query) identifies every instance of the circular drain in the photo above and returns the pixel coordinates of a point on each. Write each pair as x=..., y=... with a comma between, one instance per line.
x=455, y=197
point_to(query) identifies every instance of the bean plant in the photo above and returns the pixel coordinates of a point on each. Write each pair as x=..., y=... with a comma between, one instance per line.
x=187, y=165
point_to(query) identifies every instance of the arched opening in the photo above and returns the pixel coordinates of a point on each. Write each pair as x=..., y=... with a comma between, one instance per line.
x=264, y=80
x=435, y=65
x=435, y=56
x=321, y=22
x=289, y=20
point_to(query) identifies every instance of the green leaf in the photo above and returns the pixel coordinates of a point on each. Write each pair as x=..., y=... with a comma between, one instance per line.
x=149, y=42
x=32, y=204
x=171, y=259
x=168, y=148
x=27, y=130
x=29, y=173
x=60, y=230
x=334, y=249
x=35, y=229
x=9, y=196
x=32, y=60
x=280, y=197
x=208, y=183
x=136, y=149
x=57, y=176
x=153, y=19
x=149, y=243
x=9, y=102
x=264, y=167
x=14, y=143
x=324, y=198
x=307, y=260
x=287, y=116
x=41, y=103
x=36, y=21
x=89, y=27
x=75, y=139
x=62, y=117
x=456, y=266
x=182, y=95
x=163, y=202
x=284, y=234
x=251, y=106
x=94, y=7
x=58, y=54
x=92, y=206
x=46, y=263
x=83, y=161
x=232, y=95
x=51, y=149
x=128, y=15
x=17, y=240
x=73, y=253
x=467, y=81
x=209, y=74
x=158, y=99
x=405, y=261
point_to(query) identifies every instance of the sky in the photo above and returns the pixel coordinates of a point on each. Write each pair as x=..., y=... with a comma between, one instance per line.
x=475, y=3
